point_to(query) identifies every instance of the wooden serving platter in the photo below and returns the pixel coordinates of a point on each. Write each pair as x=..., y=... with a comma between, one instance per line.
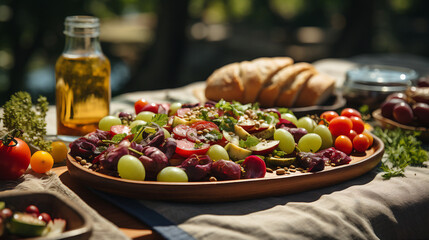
x=233, y=190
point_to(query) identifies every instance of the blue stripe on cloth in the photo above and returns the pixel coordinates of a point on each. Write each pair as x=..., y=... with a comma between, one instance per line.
x=156, y=221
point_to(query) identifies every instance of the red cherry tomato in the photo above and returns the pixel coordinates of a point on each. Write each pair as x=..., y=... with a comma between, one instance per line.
x=348, y=112
x=181, y=112
x=340, y=126
x=14, y=159
x=204, y=131
x=329, y=115
x=32, y=209
x=352, y=134
x=151, y=107
x=139, y=104
x=45, y=217
x=119, y=129
x=186, y=148
x=179, y=131
x=358, y=124
x=344, y=144
x=361, y=143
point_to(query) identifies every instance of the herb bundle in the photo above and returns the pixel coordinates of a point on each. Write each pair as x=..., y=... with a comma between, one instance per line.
x=402, y=148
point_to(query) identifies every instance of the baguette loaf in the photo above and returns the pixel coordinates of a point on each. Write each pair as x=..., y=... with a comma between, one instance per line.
x=271, y=82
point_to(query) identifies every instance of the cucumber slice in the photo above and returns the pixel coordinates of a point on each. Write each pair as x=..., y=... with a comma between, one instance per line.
x=26, y=225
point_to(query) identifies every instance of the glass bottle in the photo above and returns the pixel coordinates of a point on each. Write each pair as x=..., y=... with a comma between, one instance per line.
x=82, y=75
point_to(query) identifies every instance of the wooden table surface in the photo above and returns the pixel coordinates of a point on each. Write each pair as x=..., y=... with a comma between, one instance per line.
x=131, y=226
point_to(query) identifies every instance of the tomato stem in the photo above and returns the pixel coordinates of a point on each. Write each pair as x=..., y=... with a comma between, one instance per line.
x=10, y=137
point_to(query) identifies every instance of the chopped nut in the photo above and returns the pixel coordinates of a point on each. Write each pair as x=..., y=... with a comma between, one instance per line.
x=280, y=171
x=333, y=164
x=269, y=170
x=291, y=166
x=83, y=162
x=205, y=130
x=292, y=170
x=212, y=179
x=199, y=132
x=78, y=158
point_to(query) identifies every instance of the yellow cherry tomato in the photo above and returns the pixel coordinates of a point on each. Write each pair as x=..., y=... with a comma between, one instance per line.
x=41, y=162
x=59, y=151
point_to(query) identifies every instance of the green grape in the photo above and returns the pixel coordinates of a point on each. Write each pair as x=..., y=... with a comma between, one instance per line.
x=130, y=167
x=217, y=152
x=166, y=133
x=325, y=134
x=137, y=123
x=172, y=174
x=107, y=122
x=287, y=142
x=307, y=123
x=310, y=142
x=174, y=107
x=145, y=116
x=290, y=117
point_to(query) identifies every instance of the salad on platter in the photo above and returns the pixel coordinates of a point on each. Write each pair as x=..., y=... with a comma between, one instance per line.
x=218, y=141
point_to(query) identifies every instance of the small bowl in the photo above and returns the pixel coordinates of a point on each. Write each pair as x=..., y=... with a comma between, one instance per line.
x=371, y=84
x=78, y=225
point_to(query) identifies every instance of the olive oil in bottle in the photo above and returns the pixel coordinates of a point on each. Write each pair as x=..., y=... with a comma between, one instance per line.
x=82, y=75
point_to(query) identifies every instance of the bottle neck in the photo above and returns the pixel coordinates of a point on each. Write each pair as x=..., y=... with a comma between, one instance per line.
x=82, y=46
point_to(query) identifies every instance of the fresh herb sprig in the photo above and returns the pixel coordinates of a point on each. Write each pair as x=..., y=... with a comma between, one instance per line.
x=19, y=113
x=402, y=148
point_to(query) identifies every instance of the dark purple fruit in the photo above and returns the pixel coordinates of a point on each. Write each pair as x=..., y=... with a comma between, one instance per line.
x=423, y=82
x=387, y=107
x=226, y=170
x=421, y=111
x=197, y=167
x=403, y=113
x=397, y=95
x=297, y=133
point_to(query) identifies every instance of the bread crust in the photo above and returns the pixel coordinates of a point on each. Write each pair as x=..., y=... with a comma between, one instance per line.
x=225, y=83
x=282, y=80
x=289, y=95
x=252, y=81
x=317, y=90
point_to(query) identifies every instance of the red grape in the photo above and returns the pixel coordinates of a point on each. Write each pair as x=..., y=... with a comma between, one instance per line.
x=32, y=209
x=421, y=111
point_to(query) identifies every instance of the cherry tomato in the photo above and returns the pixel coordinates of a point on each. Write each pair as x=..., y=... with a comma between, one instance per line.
x=41, y=162
x=151, y=107
x=352, y=134
x=181, y=112
x=186, y=148
x=201, y=125
x=358, y=124
x=340, y=126
x=348, y=112
x=361, y=143
x=59, y=151
x=139, y=104
x=369, y=136
x=119, y=129
x=45, y=217
x=344, y=144
x=14, y=159
x=32, y=209
x=329, y=115
x=179, y=131
x=204, y=131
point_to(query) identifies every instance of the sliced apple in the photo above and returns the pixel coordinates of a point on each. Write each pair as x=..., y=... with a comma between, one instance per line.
x=178, y=120
x=265, y=134
x=231, y=138
x=241, y=133
x=236, y=152
x=264, y=147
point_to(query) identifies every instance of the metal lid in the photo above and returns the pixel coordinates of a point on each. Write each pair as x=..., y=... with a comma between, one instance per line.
x=380, y=78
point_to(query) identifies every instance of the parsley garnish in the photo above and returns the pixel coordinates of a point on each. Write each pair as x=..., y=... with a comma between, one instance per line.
x=249, y=142
x=160, y=119
x=118, y=137
x=225, y=123
x=19, y=113
x=402, y=148
x=198, y=145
